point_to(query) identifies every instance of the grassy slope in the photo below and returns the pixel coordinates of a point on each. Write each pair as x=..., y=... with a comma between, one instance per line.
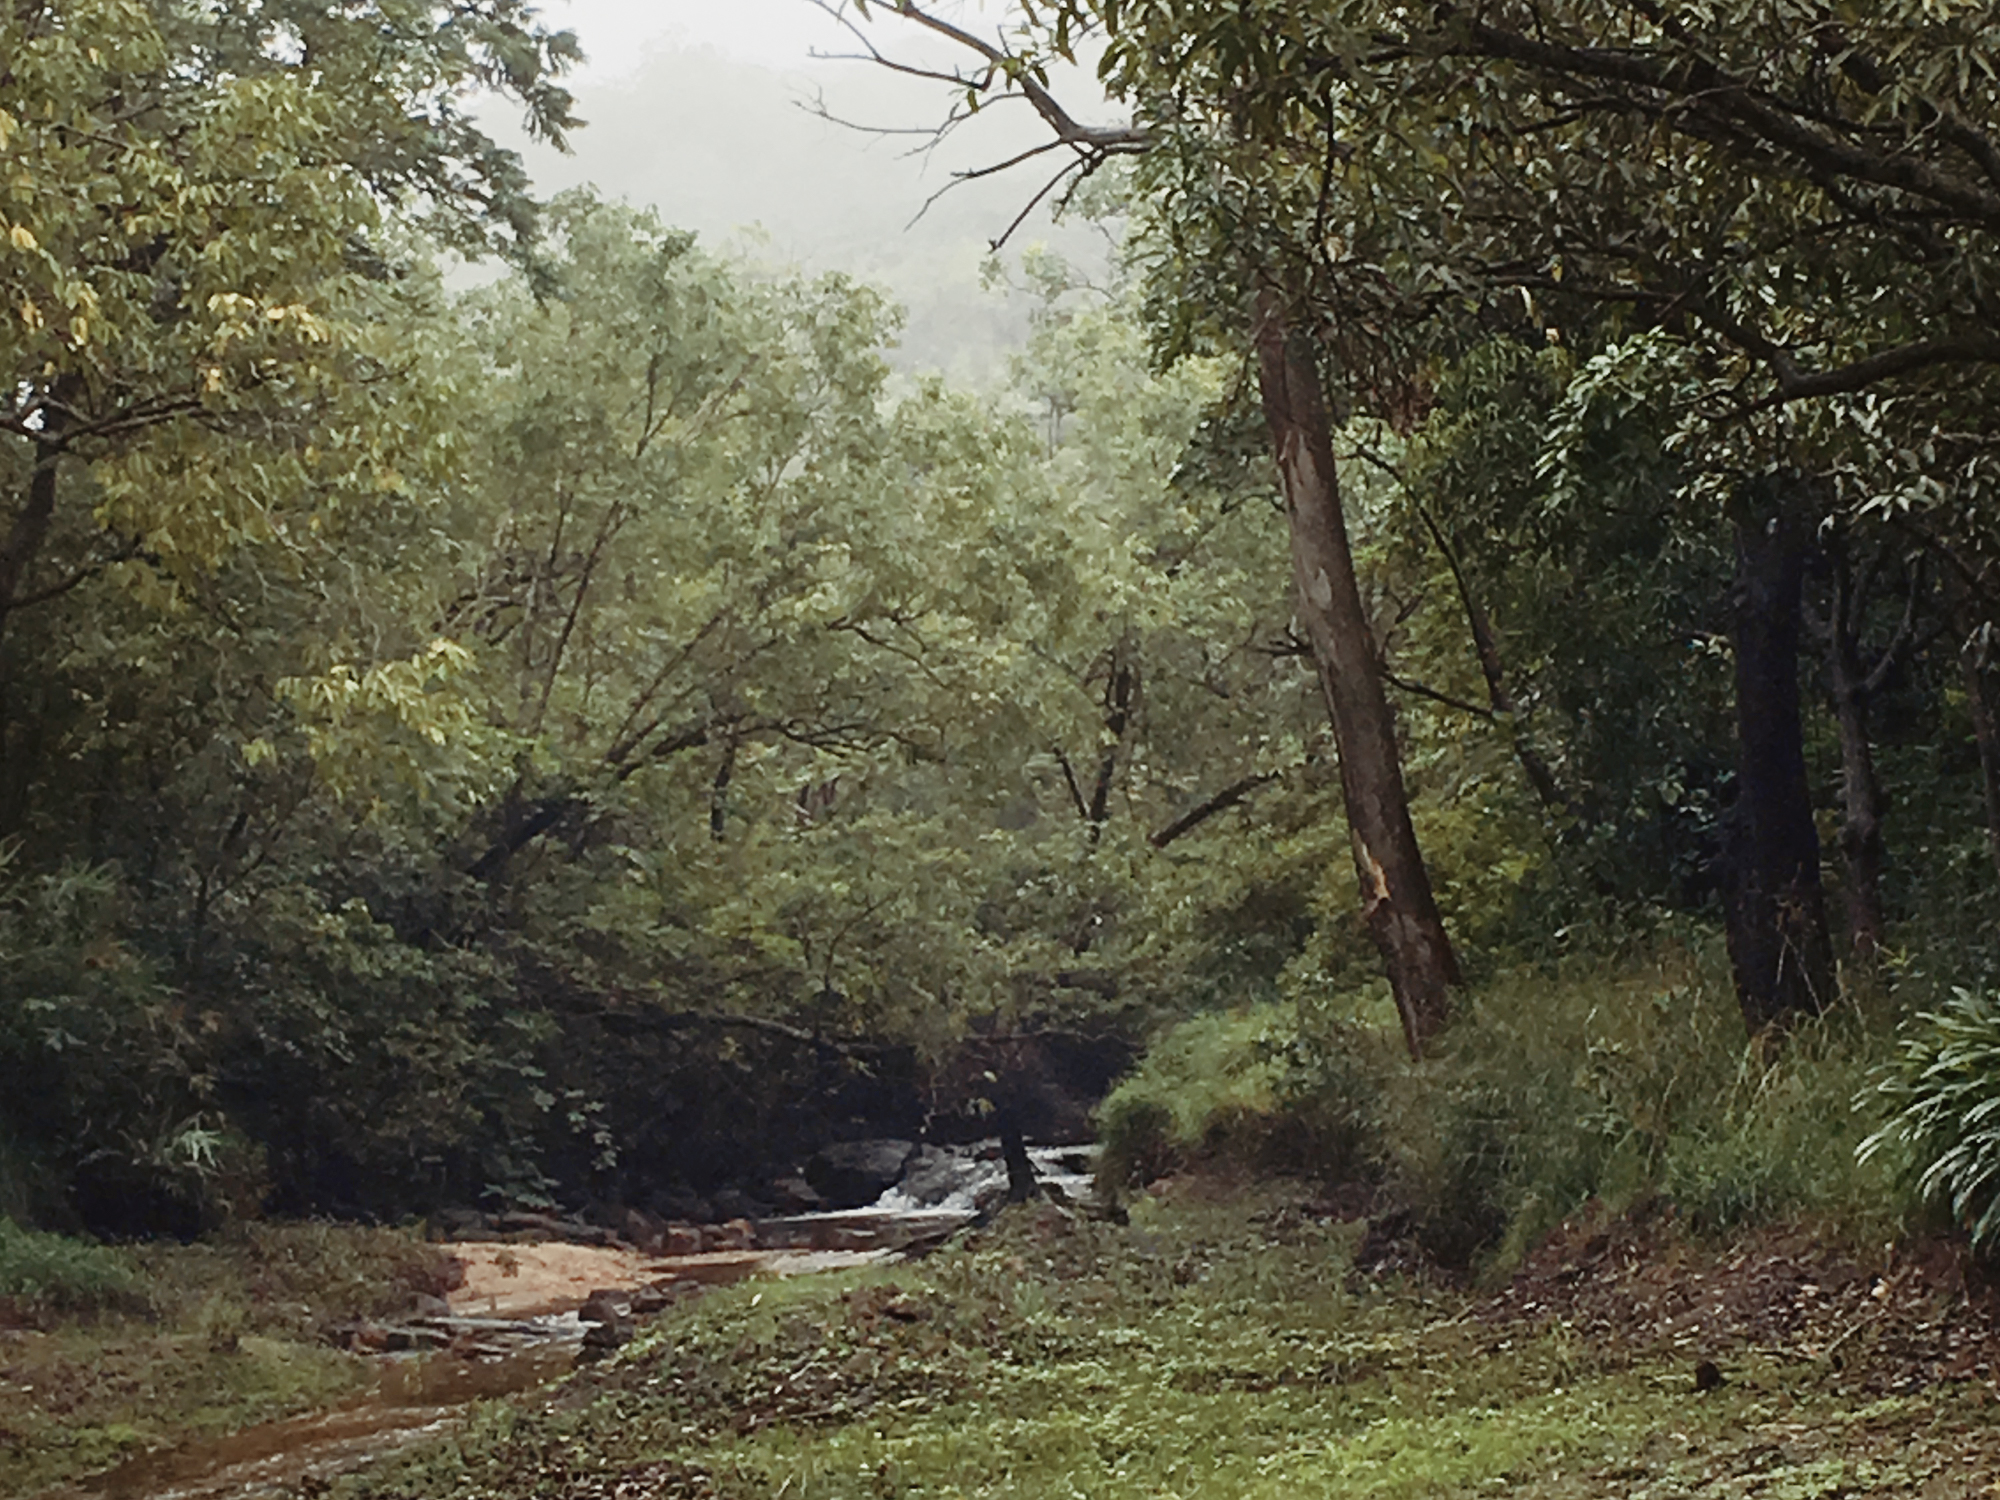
x=1220, y=1348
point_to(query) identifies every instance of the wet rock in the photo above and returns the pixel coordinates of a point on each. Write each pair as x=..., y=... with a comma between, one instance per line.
x=935, y=1173
x=794, y=1195
x=461, y=1224
x=360, y=1338
x=650, y=1300
x=543, y=1228
x=853, y=1174
x=646, y=1233
x=600, y=1339
x=733, y=1203
x=603, y=1307
x=681, y=1239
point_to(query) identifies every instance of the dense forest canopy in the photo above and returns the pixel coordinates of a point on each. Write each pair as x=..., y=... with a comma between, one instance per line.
x=1525, y=498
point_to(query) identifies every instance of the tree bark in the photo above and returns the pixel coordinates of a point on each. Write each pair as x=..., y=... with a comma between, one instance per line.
x=1397, y=902
x=1022, y=1183
x=1972, y=667
x=1852, y=687
x=1121, y=694
x=1778, y=943
x=21, y=546
x=1862, y=850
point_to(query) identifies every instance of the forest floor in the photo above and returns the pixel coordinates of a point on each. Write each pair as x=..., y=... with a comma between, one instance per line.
x=1224, y=1344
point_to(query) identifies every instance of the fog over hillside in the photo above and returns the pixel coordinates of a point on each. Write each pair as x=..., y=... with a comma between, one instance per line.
x=733, y=149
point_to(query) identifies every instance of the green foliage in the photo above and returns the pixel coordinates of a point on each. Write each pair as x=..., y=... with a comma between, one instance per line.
x=1246, y=1087
x=53, y=1273
x=1617, y=1080
x=504, y=744
x=97, y=1063
x=1943, y=1092
x=1202, y=1082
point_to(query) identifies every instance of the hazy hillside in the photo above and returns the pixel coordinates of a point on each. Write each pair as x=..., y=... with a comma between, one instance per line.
x=733, y=150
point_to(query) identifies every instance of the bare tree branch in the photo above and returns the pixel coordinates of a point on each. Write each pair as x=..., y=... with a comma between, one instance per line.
x=1222, y=801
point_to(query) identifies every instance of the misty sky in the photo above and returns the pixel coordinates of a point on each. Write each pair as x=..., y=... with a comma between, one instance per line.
x=695, y=108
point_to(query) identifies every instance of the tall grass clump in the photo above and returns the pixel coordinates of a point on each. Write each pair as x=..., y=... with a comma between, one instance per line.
x=1612, y=1081
x=1621, y=1080
x=1943, y=1097
x=1247, y=1086
x=53, y=1273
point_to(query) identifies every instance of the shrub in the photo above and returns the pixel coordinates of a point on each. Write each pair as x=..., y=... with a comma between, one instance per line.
x=1944, y=1093
x=1616, y=1080
x=1242, y=1085
x=52, y=1273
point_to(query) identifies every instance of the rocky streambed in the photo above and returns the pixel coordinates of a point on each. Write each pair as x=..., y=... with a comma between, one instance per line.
x=538, y=1294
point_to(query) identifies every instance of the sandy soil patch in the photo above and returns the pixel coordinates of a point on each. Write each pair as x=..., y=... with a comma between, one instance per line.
x=522, y=1281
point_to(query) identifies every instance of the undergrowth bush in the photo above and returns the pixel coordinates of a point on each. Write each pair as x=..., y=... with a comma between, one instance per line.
x=53, y=1273
x=1614, y=1080
x=1943, y=1091
x=1241, y=1085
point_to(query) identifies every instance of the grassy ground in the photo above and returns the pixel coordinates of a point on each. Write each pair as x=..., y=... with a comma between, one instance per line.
x=108, y=1352
x=1223, y=1346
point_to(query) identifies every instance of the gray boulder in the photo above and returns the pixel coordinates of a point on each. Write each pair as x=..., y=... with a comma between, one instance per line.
x=853, y=1174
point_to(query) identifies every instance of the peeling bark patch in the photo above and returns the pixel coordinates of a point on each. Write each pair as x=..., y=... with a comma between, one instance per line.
x=1374, y=878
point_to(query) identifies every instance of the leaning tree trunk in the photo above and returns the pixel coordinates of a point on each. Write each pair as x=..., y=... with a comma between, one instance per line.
x=1398, y=906
x=1778, y=943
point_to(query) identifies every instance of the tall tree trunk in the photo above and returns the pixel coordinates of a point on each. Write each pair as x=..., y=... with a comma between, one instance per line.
x=1778, y=944
x=1121, y=695
x=1861, y=847
x=1398, y=906
x=20, y=547
x=1022, y=1183
x=1852, y=687
x=1973, y=670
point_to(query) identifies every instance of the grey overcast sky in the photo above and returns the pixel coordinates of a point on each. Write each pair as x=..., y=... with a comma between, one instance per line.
x=696, y=108
x=617, y=34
